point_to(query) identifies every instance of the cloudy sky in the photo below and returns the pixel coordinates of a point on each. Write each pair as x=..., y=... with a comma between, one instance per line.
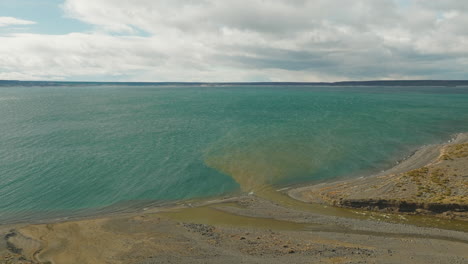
x=233, y=40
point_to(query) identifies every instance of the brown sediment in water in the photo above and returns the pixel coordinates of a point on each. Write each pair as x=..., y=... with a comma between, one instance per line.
x=257, y=168
x=255, y=171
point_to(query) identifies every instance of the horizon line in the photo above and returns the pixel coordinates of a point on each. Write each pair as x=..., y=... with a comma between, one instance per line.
x=239, y=82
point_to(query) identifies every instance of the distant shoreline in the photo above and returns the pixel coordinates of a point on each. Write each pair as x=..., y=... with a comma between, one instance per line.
x=433, y=83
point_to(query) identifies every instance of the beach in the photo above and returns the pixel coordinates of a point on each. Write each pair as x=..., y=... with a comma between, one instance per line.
x=432, y=181
x=270, y=226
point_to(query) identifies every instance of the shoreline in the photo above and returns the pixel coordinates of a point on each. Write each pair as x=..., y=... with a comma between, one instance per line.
x=340, y=193
x=137, y=206
x=250, y=228
x=265, y=227
x=418, y=158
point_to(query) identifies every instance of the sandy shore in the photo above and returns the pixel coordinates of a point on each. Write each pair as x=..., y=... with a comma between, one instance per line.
x=271, y=227
x=433, y=181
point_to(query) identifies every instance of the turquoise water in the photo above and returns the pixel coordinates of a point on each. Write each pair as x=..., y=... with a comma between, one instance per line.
x=82, y=147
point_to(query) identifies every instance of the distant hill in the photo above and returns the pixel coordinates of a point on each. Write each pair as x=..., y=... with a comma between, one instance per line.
x=346, y=83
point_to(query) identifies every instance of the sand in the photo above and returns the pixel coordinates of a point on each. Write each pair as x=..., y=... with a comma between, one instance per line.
x=434, y=181
x=271, y=227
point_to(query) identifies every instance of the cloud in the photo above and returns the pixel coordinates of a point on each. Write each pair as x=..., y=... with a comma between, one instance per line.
x=76, y=54
x=192, y=17
x=248, y=40
x=11, y=21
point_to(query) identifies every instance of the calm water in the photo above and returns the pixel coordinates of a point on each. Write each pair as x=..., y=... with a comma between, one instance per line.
x=83, y=147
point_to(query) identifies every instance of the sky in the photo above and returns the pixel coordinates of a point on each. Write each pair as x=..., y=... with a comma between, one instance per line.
x=233, y=41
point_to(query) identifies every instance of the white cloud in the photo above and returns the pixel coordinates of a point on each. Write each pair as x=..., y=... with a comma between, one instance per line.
x=247, y=40
x=11, y=21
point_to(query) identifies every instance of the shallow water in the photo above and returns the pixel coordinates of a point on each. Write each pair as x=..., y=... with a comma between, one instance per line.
x=85, y=147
